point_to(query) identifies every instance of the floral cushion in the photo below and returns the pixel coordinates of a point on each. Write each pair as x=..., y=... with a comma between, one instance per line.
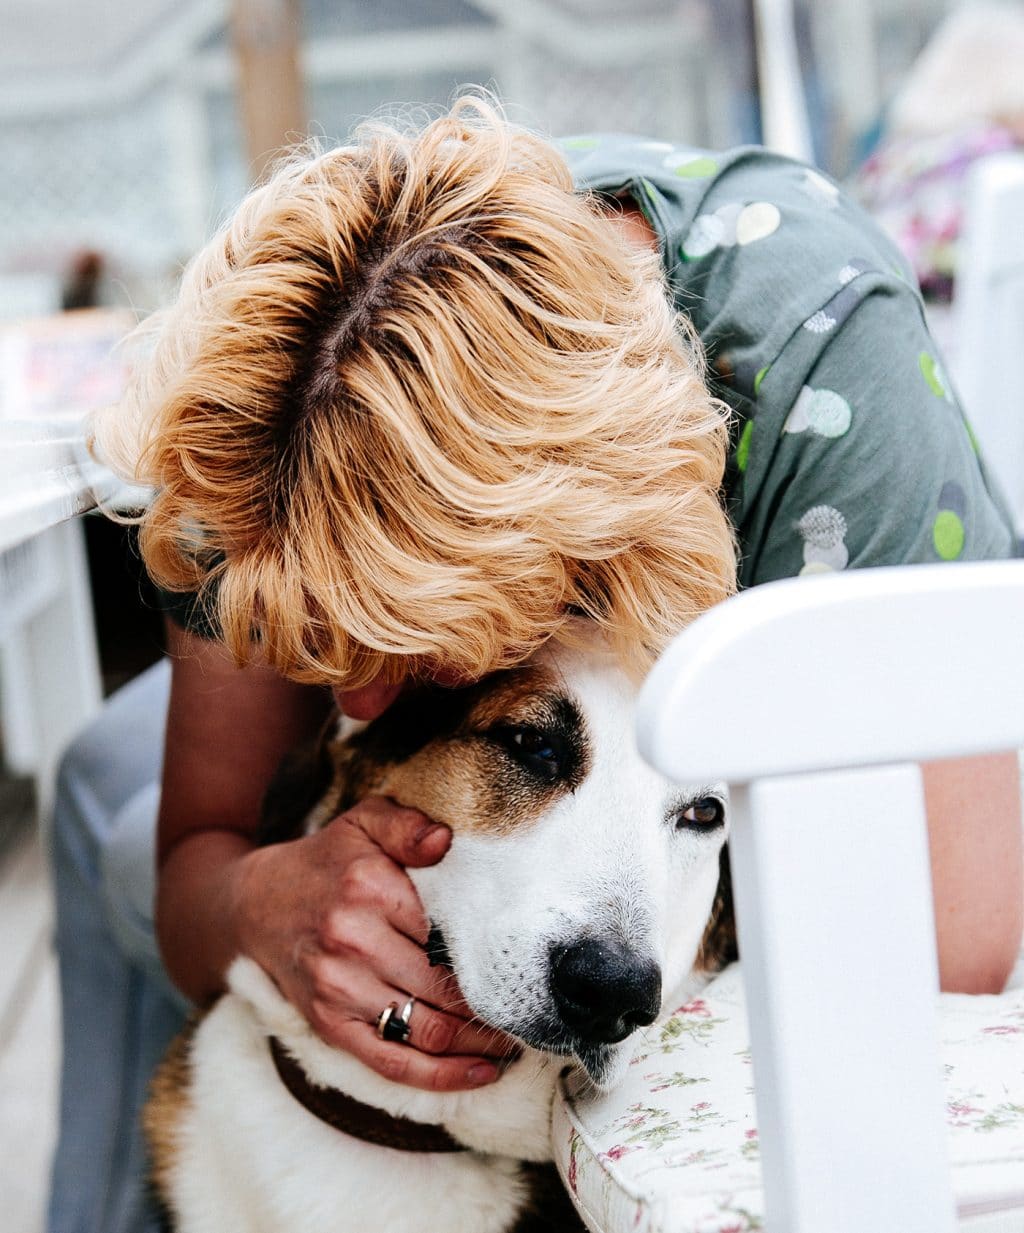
x=674, y=1148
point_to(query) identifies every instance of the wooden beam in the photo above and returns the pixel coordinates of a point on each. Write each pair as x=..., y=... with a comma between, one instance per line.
x=271, y=96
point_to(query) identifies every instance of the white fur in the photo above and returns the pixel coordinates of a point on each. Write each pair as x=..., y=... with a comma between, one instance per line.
x=604, y=859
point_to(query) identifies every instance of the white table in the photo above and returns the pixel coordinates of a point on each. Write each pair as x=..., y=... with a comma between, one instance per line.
x=49, y=668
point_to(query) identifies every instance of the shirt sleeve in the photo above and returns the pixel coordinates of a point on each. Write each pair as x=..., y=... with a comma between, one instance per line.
x=873, y=463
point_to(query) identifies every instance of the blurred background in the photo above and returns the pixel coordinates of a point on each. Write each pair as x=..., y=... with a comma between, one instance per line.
x=123, y=135
x=129, y=130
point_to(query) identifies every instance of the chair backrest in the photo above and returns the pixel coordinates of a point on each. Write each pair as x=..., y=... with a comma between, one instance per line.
x=988, y=318
x=814, y=698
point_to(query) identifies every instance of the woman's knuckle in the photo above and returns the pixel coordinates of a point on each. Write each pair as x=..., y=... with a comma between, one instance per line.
x=362, y=881
x=436, y=1035
x=320, y=1018
x=337, y=931
x=393, y=1066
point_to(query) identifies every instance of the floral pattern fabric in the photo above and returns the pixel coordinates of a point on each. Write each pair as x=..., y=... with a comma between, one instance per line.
x=674, y=1149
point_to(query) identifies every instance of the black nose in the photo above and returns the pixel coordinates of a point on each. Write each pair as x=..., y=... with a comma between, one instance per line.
x=603, y=990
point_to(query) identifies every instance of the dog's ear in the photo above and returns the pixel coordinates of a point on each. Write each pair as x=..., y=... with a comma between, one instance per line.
x=299, y=784
x=718, y=947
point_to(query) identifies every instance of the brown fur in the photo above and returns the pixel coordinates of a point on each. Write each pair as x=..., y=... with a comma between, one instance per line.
x=166, y=1107
x=548, y=1209
x=451, y=770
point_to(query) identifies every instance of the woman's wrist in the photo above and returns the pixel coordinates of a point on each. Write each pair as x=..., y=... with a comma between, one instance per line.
x=201, y=910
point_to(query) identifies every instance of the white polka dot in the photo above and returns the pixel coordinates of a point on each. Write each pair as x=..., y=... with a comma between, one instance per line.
x=822, y=527
x=816, y=567
x=820, y=322
x=728, y=216
x=797, y=420
x=815, y=185
x=828, y=414
x=704, y=236
x=819, y=560
x=847, y=274
x=757, y=221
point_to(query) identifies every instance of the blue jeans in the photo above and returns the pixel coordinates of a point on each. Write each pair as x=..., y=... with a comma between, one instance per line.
x=119, y=1011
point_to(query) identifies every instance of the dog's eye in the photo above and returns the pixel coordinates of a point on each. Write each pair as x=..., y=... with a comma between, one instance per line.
x=707, y=813
x=537, y=751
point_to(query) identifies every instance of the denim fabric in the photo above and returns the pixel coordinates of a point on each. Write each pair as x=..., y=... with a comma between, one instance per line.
x=118, y=1008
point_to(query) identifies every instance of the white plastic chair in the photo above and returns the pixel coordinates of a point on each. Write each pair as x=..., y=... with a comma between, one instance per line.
x=815, y=699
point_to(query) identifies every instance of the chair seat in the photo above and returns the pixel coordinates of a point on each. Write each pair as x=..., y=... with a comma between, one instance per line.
x=674, y=1149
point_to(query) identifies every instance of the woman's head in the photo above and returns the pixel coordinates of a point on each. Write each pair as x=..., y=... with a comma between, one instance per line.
x=415, y=403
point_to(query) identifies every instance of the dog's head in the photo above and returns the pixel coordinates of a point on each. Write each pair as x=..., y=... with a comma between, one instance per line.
x=579, y=882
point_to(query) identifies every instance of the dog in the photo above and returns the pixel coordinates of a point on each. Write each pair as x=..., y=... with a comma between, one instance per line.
x=572, y=906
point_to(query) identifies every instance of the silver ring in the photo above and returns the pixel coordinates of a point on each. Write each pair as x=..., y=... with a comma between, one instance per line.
x=394, y=1025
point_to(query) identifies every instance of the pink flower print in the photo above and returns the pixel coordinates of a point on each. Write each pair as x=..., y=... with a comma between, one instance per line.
x=573, y=1171
x=1006, y=1029
x=704, y=1104
x=696, y=1006
x=959, y=1111
x=616, y=1152
x=751, y=1134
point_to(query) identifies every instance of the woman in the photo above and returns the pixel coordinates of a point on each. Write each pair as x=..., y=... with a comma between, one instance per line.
x=423, y=397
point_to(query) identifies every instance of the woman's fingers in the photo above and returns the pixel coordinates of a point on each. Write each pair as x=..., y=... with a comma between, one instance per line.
x=408, y=837
x=345, y=988
x=402, y=1064
x=337, y=923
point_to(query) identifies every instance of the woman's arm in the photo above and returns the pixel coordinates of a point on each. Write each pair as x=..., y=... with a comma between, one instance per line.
x=332, y=918
x=974, y=828
x=227, y=730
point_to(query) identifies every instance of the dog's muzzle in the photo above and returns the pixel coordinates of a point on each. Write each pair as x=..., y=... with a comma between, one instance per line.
x=602, y=990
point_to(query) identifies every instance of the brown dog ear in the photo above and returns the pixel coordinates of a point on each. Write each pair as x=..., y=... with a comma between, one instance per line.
x=299, y=784
x=718, y=946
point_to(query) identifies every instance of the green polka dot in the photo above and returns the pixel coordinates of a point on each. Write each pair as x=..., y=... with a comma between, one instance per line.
x=932, y=373
x=760, y=377
x=948, y=535
x=579, y=143
x=650, y=190
x=972, y=438
x=697, y=169
x=743, y=448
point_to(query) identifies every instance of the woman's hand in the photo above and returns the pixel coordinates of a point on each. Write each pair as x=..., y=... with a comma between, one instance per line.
x=335, y=921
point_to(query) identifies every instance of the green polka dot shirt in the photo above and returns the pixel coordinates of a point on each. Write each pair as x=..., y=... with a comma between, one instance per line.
x=849, y=447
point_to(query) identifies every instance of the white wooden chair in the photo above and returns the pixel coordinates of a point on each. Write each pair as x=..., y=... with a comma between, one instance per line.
x=815, y=699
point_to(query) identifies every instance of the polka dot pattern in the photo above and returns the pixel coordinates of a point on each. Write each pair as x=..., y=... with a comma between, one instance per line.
x=822, y=412
x=948, y=532
x=757, y=222
x=728, y=225
x=934, y=375
x=687, y=167
x=820, y=322
x=948, y=535
x=743, y=447
x=823, y=530
x=819, y=188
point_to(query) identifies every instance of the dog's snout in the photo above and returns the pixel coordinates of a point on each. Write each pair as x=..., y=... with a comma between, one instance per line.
x=603, y=990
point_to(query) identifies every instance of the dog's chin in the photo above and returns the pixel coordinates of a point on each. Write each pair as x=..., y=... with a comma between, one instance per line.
x=602, y=1066
x=605, y=1066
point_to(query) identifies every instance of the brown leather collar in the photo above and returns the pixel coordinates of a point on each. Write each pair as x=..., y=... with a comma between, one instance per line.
x=354, y=1118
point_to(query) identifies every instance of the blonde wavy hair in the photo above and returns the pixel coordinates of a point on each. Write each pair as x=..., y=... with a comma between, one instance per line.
x=416, y=403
